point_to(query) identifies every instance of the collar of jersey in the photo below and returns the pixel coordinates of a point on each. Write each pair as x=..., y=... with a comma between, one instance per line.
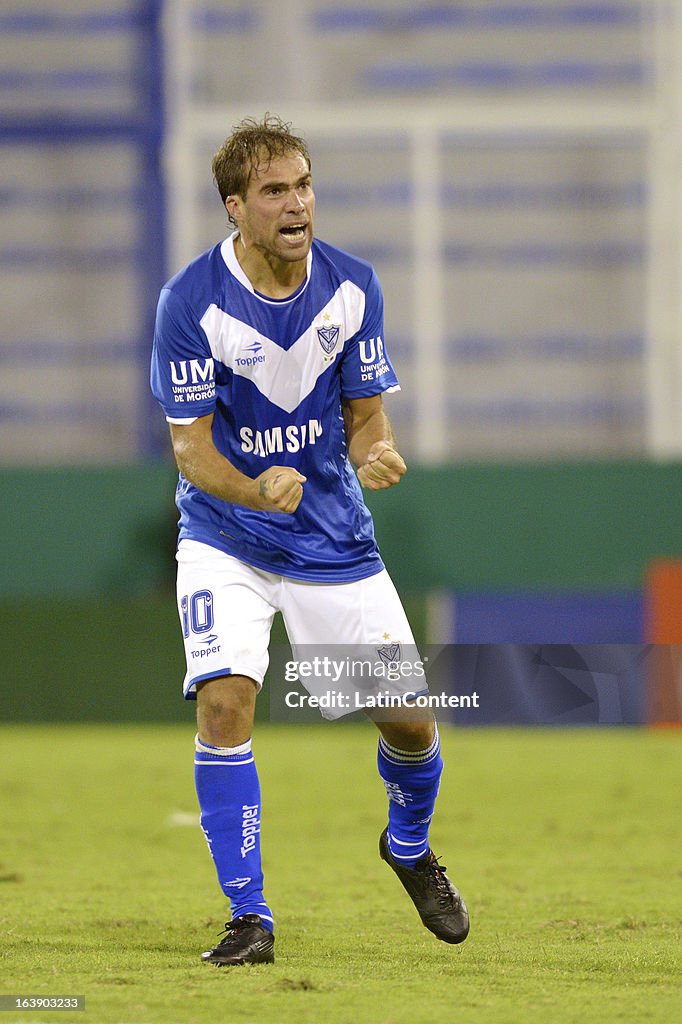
x=234, y=266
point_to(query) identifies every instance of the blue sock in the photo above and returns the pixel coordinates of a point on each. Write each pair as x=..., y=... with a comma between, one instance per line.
x=411, y=778
x=229, y=797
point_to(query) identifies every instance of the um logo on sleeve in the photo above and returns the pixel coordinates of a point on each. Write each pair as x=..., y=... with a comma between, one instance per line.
x=193, y=379
x=372, y=360
x=371, y=351
x=200, y=371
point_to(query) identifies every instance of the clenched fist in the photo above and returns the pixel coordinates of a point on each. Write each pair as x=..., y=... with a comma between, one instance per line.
x=383, y=468
x=280, y=489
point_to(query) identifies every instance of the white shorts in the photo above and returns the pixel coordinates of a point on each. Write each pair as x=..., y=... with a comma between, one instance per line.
x=227, y=607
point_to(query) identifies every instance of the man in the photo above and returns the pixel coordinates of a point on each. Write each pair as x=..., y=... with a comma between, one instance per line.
x=270, y=365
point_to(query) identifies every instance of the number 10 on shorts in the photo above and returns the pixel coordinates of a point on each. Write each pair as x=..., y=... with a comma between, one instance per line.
x=196, y=612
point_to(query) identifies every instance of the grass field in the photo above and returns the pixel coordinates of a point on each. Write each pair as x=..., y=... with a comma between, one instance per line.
x=566, y=845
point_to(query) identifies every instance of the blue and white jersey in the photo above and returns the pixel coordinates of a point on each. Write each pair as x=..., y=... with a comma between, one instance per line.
x=273, y=372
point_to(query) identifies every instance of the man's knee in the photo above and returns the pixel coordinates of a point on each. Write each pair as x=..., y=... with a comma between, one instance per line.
x=225, y=710
x=410, y=731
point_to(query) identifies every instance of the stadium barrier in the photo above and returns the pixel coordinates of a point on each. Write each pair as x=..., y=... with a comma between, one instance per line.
x=88, y=625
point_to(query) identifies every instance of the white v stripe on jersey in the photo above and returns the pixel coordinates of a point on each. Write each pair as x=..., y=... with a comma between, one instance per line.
x=285, y=376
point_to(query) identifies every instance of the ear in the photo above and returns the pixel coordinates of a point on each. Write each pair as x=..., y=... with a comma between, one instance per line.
x=233, y=205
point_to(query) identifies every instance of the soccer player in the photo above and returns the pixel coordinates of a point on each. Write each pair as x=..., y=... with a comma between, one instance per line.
x=269, y=363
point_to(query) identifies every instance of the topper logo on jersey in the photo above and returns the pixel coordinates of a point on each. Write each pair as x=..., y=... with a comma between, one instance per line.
x=256, y=355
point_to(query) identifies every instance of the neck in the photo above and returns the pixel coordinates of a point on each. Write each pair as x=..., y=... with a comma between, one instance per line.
x=270, y=276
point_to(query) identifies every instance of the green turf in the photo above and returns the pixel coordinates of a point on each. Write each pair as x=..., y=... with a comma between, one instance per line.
x=566, y=845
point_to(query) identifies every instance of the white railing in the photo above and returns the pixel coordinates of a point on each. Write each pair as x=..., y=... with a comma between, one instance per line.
x=664, y=282
x=652, y=117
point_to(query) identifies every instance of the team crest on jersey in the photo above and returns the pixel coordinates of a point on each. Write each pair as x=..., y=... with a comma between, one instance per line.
x=328, y=337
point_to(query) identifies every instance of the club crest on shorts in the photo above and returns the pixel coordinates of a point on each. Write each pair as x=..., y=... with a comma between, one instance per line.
x=328, y=337
x=389, y=654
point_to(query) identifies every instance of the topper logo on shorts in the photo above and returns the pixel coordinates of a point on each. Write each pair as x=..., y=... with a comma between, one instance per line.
x=205, y=651
x=250, y=827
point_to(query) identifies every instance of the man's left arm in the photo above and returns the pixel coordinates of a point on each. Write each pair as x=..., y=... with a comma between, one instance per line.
x=371, y=444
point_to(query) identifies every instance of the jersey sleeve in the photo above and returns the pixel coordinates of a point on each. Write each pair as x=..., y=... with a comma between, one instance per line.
x=365, y=367
x=182, y=370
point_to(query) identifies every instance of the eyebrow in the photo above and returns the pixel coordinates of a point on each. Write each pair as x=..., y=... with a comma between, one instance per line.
x=285, y=184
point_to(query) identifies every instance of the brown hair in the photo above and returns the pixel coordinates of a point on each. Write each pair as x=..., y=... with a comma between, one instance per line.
x=252, y=143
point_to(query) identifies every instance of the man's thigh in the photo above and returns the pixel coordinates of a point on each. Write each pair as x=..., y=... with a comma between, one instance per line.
x=226, y=614
x=352, y=643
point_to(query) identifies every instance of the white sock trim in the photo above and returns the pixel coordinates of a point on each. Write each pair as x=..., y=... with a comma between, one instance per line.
x=411, y=755
x=206, y=748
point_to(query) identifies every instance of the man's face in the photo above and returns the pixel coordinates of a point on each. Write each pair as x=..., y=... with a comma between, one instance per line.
x=277, y=214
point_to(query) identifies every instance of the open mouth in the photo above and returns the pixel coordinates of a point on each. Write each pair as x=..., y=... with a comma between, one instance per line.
x=295, y=232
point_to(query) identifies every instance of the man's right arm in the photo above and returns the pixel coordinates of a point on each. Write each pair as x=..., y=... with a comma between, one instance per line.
x=278, y=489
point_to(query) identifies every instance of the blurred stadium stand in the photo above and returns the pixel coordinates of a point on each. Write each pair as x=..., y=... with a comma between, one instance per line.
x=82, y=214
x=511, y=168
